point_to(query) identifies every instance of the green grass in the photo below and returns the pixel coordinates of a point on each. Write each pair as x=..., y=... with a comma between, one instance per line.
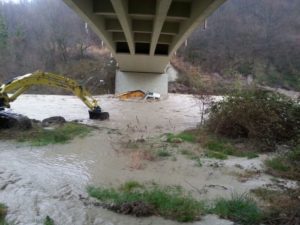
x=48, y=221
x=294, y=155
x=216, y=155
x=285, y=166
x=184, y=136
x=239, y=208
x=278, y=164
x=163, y=153
x=168, y=202
x=59, y=135
x=220, y=149
x=198, y=162
x=3, y=212
x=130, y=186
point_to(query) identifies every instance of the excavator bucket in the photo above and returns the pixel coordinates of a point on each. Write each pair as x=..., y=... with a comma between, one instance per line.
x=98, y=115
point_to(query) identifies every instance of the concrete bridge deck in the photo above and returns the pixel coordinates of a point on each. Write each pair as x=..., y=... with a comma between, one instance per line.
x=143, y=34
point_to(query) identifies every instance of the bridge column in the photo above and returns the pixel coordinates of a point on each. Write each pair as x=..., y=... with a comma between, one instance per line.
x=142, y=35
x=153, y=82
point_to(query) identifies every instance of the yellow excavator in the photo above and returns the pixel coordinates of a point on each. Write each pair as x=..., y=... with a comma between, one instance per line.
x=11, y=90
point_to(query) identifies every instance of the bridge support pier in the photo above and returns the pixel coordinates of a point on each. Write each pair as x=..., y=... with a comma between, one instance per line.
x=130, y=81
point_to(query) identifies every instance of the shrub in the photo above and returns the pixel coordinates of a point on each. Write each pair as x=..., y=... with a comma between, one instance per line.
x=265, y=117
x=49, y=221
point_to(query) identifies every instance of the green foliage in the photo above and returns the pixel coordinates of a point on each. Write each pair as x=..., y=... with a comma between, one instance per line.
x=294, y=155
x=198, y=162
x=220, y=146
x=48, y=221
x=264, y=117
x=59, y=135
x=184, y=136
x=3, y=212
x=285, y=166
x=130, y=186
x=245, y=68
x=3, y=33
x=239, y=208
x=168, y=202
x=163, y=153
x=216, y=155
x=220, y=149
x=277, y=164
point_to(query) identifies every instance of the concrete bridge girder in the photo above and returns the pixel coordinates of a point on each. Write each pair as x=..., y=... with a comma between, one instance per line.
x=143, y=34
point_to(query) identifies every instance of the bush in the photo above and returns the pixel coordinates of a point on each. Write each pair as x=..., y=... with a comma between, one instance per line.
x=265, y=117
x=49, y=221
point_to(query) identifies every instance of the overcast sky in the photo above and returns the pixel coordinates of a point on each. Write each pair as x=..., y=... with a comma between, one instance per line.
x=9, y=1
x=16, y=1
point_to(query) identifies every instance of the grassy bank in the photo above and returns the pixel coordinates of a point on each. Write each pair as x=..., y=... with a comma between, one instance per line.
x=285, y=165
x=280, y=206
x=174, y=203
x=241, y=209
x=214, y=146
x=38, y=136
x=136, y=199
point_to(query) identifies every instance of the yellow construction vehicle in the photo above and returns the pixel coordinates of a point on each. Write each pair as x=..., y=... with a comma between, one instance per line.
x=10, y=91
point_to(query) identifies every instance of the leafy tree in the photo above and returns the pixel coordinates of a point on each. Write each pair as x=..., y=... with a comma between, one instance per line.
x=3, y=33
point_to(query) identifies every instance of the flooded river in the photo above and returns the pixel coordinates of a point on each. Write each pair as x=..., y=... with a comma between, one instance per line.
x=52, y=180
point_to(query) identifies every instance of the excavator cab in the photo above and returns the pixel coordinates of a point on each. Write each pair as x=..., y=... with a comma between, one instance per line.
x=10, y=91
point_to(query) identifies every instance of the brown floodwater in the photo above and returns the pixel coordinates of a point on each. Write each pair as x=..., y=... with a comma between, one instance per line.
x=52, y=180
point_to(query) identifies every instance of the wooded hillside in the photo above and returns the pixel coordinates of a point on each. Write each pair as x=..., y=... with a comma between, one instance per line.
x=244, y=37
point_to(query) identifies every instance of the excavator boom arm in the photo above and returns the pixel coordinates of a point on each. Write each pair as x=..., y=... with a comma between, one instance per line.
x=20, y=84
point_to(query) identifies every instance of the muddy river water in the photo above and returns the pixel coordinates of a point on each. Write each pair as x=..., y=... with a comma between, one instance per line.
x=52, y=180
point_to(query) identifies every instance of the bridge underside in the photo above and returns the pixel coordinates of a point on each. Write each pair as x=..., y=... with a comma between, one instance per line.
x=143, y=34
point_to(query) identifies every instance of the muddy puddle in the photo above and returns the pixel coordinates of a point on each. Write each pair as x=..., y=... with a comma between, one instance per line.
x=40, y=181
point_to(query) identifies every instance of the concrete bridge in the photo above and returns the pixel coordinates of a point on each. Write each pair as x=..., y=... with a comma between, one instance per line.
x=143, y=34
